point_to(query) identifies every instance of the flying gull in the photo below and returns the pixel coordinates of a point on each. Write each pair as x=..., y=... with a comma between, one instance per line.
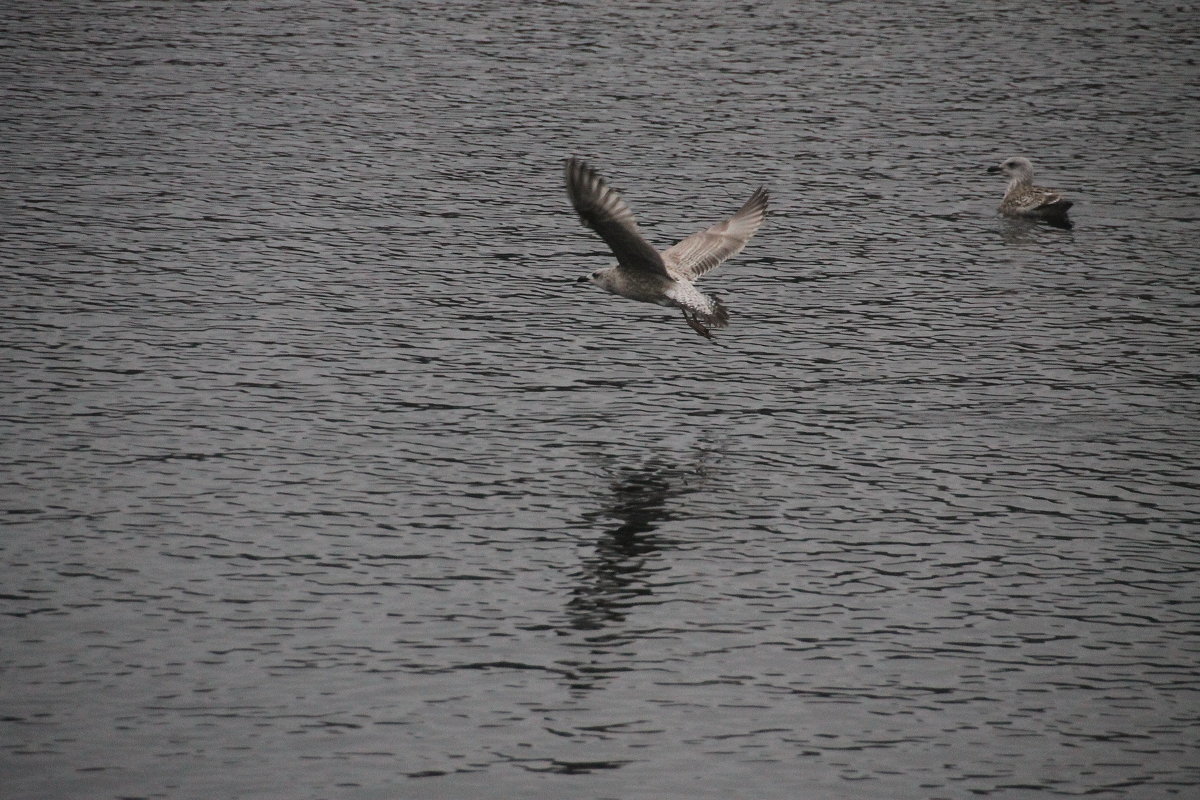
x=647, y=275
x=1023, y=199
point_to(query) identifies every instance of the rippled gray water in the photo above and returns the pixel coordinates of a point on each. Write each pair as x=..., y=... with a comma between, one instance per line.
x=323, y=479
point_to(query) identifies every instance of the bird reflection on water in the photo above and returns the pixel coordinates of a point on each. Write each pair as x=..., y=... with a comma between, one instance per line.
x=1016, y=231
x=617, y=576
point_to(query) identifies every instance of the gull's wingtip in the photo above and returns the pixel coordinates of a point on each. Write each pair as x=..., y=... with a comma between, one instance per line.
x=759, y=200
x=578, y=170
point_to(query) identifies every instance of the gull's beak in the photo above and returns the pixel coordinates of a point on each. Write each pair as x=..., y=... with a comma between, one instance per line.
x=994, y=168
x=581, y=279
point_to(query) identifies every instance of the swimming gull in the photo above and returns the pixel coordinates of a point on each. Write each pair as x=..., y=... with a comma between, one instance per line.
x=1023, y=199
x=647, y=275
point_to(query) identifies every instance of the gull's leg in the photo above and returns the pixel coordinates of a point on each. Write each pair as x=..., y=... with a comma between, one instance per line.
x=696, y=325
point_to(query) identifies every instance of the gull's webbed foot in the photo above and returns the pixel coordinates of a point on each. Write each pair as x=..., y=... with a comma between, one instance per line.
x=696, y=325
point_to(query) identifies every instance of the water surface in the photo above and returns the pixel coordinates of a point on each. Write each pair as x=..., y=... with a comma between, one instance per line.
x=323, y=478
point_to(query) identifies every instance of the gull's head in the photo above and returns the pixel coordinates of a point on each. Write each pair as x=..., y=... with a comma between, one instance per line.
x=595, y=277
x=1016, y=168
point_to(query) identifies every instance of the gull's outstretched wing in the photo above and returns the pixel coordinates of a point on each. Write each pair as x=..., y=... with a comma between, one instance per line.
x=603, y=210
x=706, y=250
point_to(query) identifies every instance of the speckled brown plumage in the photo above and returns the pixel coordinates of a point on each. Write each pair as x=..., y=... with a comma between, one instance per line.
x=1023, y=199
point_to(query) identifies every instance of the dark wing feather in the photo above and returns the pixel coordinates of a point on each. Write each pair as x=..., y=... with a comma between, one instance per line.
x=603, y=210
x=1053, y=201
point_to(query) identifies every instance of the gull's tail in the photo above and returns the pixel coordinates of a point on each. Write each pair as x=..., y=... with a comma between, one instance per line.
x=701, y=311
x=716, y=315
